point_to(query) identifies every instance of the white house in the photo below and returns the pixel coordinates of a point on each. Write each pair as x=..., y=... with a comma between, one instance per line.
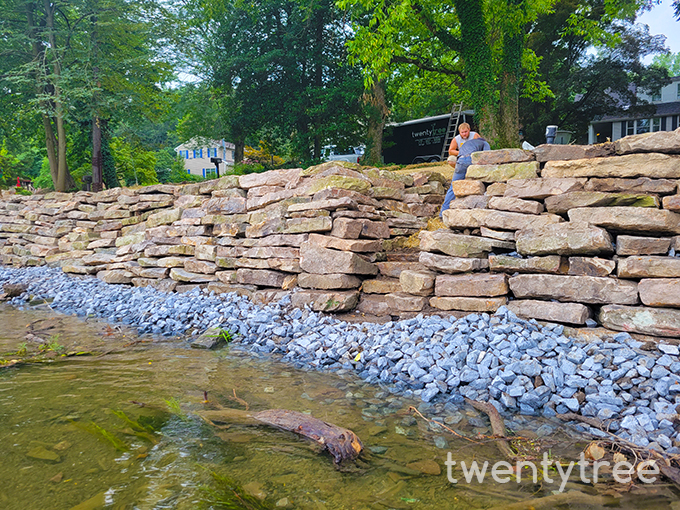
x=198, y=151
x=666, y=117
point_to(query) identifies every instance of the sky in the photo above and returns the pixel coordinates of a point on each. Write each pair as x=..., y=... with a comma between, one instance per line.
x=661, y=21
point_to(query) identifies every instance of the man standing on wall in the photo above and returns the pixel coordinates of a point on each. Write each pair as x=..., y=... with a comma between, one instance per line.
x=460, y=150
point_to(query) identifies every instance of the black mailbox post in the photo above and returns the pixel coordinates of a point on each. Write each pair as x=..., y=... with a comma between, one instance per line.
x=217, y=162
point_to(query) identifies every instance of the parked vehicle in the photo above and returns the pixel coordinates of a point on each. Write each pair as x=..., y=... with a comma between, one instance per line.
x=418, y=140
x=351, y=154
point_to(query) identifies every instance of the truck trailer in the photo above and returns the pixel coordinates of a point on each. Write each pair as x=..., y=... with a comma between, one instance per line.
x=418, y=140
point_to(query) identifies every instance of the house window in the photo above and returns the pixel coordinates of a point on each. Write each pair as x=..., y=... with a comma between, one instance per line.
x=677, y=92
x=656, y=124
x=656, y=97
x=212, y=153
x=198, y=153
x=642, y=126
x=630, y=127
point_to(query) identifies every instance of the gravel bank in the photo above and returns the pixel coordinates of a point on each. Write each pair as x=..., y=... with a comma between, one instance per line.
x=518, y=365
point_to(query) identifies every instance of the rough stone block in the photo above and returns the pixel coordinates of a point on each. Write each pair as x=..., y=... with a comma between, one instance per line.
x=261, y=277
x=471, y=285
x=642, y=319
x=271, y=178
x=317, y=260
x=648, y=267
x=515, y=205
x=373, y=305
x=553, y=152
x=470, y=202
x=452, y=265
x=501, y=156
x=115, y=276
x=658, y=166
x=591, y=266
x=467, y=187
x=200, y=266
x=328, y=281
x=503, y=173
x=458, y=245
x=184, y=276
x=475, y=218
x=418, y=283
x=659, y=141
x=381, y=286
x=629, y=219
x=571, y=313
x=672, y=203
x=393, y=269
x=402, y=302
x=561, y=204
x=356, y=245
x=541, y=188
x=573, y=238
x=584, y=289
x=639, y=185
x=326, y=301
x=631, y=245
x=163, y=217
x=663, y=292
x=468, y=304
x=301, y=225
x=507, y=264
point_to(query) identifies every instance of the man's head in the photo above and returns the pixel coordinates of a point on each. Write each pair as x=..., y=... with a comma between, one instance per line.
x=464, y=130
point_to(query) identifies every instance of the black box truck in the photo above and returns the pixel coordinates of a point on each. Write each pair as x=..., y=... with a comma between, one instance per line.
x=418, y=140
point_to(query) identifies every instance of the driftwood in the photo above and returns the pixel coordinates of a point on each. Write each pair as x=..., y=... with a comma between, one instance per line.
x=341, y=443
x=497, y=426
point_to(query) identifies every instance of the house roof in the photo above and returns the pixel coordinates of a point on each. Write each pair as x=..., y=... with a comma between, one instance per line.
x=202, y=143
x=662, y=110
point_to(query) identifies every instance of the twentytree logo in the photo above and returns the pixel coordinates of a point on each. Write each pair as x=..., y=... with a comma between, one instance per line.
x=504, y=472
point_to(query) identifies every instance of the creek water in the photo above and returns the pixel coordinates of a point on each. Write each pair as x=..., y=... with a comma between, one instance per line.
x=75, y=435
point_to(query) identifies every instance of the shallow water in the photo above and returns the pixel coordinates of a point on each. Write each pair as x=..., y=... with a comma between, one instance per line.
x=50, y=410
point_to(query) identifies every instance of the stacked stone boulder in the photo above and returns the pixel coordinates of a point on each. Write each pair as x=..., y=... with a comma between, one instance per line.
x=562, y=233
x=322, y=229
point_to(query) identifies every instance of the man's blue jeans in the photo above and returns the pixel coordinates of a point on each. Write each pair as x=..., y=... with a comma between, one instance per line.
x=458, y=175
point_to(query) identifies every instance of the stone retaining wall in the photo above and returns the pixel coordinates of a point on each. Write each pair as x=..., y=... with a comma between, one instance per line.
x=568, y=234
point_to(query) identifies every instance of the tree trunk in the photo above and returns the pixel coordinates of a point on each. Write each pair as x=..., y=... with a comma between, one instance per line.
x=377, y=115
x=240, y=145
x=51, y=146
x=97, y=172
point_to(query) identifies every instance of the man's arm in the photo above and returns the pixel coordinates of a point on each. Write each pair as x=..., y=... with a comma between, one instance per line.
x=477, y=135
x=453, y=148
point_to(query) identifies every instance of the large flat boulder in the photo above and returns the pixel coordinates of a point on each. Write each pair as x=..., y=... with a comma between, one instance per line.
x=629, y=219
x=317, y=260
x=642, y=319
x=507, y=264
x=326, y=300
x=451, y=265
x=561, y=204
x=659, y=141
x=469, y=304
x=649, y=267
x=658, y=166
x=458, y=245
x=553, y=152
x=639, y=185
x=284, y=178
x=633, y=245
x=260, y=277
x=503, y=173
x=541, y=188
x=418, y=283
x=584, y=289
x=573, y=238
x=500, y=156
x=475, y=218
x=467, y=187
x=517, y=205
x=591, y=266
x=571, y=313
x=471, y=285
x=664, y=292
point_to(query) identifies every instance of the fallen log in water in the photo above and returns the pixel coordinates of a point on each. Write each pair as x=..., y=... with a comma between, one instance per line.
x=341, y=443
